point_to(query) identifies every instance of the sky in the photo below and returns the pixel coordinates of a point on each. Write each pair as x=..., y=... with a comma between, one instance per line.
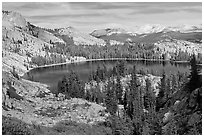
x=88, y=16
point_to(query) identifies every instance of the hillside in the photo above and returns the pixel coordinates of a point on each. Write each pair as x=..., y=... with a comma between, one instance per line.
x=28, y=41
x=79, y=38
x=17, y=41
x=40, y=46
x=31, y=104
x=28, y=101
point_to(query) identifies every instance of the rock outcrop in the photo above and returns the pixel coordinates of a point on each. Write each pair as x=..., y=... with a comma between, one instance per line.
x=80, y=38
x=107, y=32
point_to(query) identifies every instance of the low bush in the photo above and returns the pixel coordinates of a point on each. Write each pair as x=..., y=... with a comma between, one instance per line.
x=12, y=92
x=14, y=126
x=72, y=128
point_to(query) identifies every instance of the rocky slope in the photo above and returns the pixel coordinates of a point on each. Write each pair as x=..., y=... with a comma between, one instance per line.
x=18, y=45
x=80, y=38
x=107, y=32
x=44, y=35
x=32, y=101
x=174, y=46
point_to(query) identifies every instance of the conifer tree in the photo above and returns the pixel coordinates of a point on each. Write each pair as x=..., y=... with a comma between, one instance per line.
x=151, y=121
x=62, y=85
x=71, y=86
x=114, y=71
x=135, y=103
x=150, y=98
x=174, y=84
x=194, y=82
x=125, y=101
x=87, y=95
x=132, y=87
x=110, y=100
x=120, y=66
x=161, y=96
x=138, y=110
x=119, y=90
x=168, y=88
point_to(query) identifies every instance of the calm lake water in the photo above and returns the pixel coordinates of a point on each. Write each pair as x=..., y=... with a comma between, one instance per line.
x=51, y=75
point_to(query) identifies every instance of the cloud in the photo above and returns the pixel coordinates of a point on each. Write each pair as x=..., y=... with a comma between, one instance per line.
x=65, y=16
x=94, y=14
x=162, y=8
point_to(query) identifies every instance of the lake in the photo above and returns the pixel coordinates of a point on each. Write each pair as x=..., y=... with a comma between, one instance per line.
x=51, y=75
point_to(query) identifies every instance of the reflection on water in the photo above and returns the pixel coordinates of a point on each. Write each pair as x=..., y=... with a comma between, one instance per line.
x=51, y=75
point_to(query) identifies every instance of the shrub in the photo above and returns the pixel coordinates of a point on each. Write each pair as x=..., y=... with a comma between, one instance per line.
x=14, y=73
x=73, y=128
x=13, y=126
x=12, y=92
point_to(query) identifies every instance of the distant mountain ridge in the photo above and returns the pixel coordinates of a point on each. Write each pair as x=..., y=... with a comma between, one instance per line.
x=147, y=29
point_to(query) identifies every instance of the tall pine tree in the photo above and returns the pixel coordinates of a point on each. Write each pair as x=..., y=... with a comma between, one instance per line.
x=195, y=81
x=111, y=100
x=160, y=100
x=119, y=89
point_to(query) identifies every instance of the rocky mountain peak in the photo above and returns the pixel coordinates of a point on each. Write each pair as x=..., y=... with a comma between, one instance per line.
x=148, y=28
x=80, y=38
x=67, y=30
x=12, y=19
x=108, y=31
x=185, y=28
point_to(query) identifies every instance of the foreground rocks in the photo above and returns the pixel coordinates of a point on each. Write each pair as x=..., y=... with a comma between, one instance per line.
x=32, y=102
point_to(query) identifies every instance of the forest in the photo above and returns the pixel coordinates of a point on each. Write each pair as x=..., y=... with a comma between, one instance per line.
x=143, y=112
x=59, y=52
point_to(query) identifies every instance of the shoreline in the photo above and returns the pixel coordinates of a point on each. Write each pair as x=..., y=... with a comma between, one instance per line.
x=104, y=59
x=101, y=59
